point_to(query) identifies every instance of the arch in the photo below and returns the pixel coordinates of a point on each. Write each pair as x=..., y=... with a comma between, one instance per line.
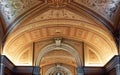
x=64, y=47
x=95, y=35
x=53, y=69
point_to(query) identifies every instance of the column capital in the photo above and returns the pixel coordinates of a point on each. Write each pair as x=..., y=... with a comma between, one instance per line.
x=118, y=65
x=36, y=70
x=117, y=69
x=80, y=71
x=2, y=65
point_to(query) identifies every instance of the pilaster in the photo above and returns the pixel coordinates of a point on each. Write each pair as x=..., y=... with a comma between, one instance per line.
x=36, y=70
x=80, y=71
x=118, y=69
x=2, y=67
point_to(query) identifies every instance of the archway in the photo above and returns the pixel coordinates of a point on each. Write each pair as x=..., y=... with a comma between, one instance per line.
x=58, y=69
x=64, y=47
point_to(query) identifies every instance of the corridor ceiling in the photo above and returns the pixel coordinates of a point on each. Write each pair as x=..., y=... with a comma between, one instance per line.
x=90, y=26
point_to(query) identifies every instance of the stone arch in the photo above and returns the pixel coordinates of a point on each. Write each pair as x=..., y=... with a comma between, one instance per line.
x=64, y=47
x=53, y=69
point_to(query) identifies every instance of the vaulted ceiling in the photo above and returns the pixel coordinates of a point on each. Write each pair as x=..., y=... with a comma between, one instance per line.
x=90, y=26
x=106, y=11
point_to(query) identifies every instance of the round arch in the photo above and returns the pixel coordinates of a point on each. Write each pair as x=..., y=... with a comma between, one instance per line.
x=64, y=47
x=53, y=69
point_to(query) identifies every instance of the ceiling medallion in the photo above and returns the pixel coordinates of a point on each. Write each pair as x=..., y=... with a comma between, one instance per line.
x=57, y=3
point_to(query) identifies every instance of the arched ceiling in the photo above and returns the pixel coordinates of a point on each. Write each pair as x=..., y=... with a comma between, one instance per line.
x=106, y=11
x=75, y=30
x=58, y=56
x=88, y=21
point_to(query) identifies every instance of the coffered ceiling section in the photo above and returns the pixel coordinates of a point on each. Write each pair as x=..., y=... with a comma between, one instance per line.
x=102, y=44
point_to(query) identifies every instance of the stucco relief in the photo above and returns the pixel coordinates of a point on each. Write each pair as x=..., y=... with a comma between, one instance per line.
x=11, y=9
x=61, y=14
x=106, y=8
x=57, y=3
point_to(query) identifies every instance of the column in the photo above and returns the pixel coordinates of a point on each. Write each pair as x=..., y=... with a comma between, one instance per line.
x=118, y=69
x=118, y=43
x=36, y=70
x=80, y=71
x=2, y=69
